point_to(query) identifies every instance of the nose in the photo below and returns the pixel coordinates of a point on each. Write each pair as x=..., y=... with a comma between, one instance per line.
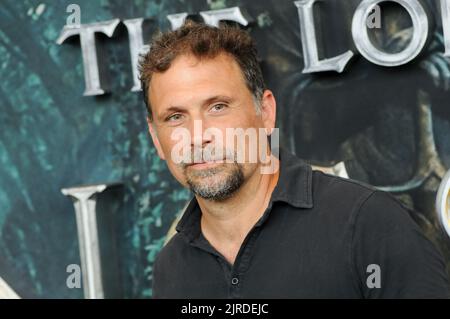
x=198, y=137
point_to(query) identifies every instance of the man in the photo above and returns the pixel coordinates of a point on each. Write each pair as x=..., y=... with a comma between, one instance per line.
x=253, y=233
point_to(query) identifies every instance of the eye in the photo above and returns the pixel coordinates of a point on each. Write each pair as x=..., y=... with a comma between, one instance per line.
x=174, y=117
x=218, y=107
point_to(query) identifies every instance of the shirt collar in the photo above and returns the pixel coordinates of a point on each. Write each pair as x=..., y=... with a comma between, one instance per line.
x=294, y=187
x=295, y=181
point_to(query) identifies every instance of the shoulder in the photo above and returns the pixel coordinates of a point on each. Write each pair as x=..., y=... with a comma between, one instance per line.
x=343, y=197
x=171, y=252
x=361, y=204
x=331, y=183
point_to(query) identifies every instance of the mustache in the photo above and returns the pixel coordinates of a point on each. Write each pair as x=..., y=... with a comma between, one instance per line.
x=200, y=155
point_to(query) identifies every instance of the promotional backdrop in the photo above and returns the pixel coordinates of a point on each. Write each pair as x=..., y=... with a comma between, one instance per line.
x=390, y=126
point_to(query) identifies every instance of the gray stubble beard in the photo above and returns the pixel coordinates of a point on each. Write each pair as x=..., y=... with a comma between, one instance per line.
x=219, y=190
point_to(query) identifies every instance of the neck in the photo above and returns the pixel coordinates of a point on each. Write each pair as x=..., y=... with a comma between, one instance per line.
x=225, y=224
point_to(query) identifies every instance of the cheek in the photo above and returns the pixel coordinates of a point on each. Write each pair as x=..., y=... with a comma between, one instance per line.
x=239, y=121
x=177, y=172
x=166, y=142
x=168, y=145
x=251, y=120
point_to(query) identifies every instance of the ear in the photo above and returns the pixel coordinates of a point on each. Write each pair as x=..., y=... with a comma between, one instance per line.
x=155, y=139
x=268, y=110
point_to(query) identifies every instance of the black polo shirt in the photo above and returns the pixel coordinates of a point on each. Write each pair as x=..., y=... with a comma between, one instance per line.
x=320, y=237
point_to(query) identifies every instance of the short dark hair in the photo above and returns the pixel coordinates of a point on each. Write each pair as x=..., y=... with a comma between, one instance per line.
x=202, y=41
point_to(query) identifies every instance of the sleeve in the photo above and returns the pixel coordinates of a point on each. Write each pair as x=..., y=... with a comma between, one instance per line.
x=391, y=256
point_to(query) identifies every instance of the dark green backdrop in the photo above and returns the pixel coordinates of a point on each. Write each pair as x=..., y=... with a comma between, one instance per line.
x=52, y=137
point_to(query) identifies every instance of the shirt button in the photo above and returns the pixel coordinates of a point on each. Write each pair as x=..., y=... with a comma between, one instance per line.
x=234, y=281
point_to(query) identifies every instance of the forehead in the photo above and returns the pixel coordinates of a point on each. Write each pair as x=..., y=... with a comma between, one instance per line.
x=189, y=75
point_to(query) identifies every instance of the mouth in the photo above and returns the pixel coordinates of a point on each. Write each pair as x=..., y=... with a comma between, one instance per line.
x=203, y=165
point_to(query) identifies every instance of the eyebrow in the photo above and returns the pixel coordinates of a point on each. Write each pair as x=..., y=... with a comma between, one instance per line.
x=217, y=98
x=171, y=109
x=182, y=109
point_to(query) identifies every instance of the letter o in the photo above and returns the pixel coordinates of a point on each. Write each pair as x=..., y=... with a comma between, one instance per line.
x=443, y=203
x=370, y=52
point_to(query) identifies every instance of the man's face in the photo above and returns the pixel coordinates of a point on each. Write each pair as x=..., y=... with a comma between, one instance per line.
x=197, y=96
